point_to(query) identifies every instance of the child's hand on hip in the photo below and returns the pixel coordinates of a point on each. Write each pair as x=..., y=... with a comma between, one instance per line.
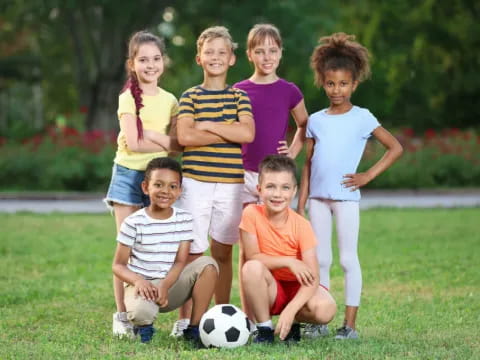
x=282, y=149
x=355, y=181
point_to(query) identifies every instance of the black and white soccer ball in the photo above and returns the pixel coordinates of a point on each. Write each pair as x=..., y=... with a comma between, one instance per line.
x=224, y=326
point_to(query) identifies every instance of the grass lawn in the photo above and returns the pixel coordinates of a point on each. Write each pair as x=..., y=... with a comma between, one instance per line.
x=421, y=294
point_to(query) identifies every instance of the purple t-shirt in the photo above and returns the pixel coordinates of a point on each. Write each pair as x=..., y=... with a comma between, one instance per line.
x=271, y=106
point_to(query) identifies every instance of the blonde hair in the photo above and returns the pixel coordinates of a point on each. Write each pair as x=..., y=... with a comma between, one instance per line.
x=259, y=32
x=215, y=32
x=340, y=51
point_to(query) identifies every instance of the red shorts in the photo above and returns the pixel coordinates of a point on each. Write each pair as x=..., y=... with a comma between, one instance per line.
x=286, y=291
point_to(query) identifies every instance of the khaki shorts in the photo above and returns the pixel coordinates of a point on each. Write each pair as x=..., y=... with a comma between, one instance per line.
x=144, y=312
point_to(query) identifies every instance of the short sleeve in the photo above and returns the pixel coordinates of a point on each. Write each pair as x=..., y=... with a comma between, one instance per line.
x=174, y=109
x=307, y=239
x=185, y=107
x=127, y=233
x=126, y=104
x=243, y=104
x=308, y=132
x=295, y=95
x=247, y=222
x=369, y=124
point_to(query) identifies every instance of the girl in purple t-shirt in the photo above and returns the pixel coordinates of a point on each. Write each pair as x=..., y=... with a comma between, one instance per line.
x=273, y=100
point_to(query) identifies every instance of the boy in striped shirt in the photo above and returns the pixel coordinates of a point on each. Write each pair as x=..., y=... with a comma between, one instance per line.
x=214, y=120
x=152, y=252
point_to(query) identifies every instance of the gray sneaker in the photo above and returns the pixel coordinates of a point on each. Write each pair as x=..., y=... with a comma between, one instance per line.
x=346, y=332
x=313, y=331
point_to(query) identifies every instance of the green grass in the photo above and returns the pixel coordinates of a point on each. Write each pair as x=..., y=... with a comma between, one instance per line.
x=420, y=298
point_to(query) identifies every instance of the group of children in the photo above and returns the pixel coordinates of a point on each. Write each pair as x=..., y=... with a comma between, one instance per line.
x=237, y=182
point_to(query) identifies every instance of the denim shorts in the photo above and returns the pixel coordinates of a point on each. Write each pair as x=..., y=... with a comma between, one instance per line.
x=125, y=188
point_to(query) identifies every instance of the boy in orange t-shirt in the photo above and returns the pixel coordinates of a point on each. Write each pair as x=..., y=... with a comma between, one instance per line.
x=280, y=276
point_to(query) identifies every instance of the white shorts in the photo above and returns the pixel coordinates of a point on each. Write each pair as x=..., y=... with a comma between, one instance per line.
x=216, y=210
x=249, y=191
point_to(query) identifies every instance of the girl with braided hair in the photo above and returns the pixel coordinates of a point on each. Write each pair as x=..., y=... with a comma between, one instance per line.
x=336, y=139
x=145, y=112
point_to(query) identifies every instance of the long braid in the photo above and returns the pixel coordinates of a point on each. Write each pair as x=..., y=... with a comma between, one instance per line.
x=136, y=91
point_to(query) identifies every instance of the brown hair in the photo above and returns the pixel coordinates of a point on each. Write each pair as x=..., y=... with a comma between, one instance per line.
x=277, y=163
x=259, y=32
x=340, y=51
x=215, y=32
x=137, y=39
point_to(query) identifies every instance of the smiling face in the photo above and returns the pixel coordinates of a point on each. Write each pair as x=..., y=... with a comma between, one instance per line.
x=147, y=63
x=265, y=57
x=339, y=87
x=216, y=56
x=276, y=190
x=163, y=188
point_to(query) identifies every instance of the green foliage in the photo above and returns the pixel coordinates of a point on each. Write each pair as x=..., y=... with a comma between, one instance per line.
x=424, y=58
x=420, y=292
x=451, y=159
x=52, y=167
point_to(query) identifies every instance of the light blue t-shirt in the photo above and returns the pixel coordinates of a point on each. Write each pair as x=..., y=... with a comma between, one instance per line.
x=339, y=144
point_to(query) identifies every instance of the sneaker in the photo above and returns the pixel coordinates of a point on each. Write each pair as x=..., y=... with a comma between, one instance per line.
x=263, y=334
x=346, y=332
x=121, y=327
x=145, y=332
x=313, y=331
x=192, y=335
x=179, y=326
x=294, y=335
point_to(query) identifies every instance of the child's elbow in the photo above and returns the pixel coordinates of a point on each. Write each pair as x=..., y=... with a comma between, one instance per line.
x=399, y=150
x=182, y=141
x=133, y=145
x=249, y=136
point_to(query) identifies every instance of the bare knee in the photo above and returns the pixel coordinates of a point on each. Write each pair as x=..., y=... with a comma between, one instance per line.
x=210, y=272
x=324, y=310
x=252, y=270
x=320, y=309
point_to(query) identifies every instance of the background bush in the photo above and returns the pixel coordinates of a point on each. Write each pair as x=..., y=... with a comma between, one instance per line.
x=63, y=159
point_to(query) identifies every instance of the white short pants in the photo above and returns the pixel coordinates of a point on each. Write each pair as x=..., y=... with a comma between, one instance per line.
x=249, y=191
x=216, y=210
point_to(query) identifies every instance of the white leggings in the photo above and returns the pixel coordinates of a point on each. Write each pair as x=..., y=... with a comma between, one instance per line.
x=347, y=219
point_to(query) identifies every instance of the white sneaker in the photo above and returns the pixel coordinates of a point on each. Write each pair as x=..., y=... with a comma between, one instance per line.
x=179, y=326
x=313, y=331
x=121, y=326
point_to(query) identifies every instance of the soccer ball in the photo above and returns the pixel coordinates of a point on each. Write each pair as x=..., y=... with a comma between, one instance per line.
x=224, y=326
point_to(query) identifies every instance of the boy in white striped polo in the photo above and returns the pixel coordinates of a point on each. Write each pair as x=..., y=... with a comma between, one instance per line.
x=151, y=256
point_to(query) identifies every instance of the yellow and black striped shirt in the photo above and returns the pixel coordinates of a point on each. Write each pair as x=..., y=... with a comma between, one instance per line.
x=215, y=162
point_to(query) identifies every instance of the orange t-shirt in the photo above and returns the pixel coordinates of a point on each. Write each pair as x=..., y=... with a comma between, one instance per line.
x=291, y=239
